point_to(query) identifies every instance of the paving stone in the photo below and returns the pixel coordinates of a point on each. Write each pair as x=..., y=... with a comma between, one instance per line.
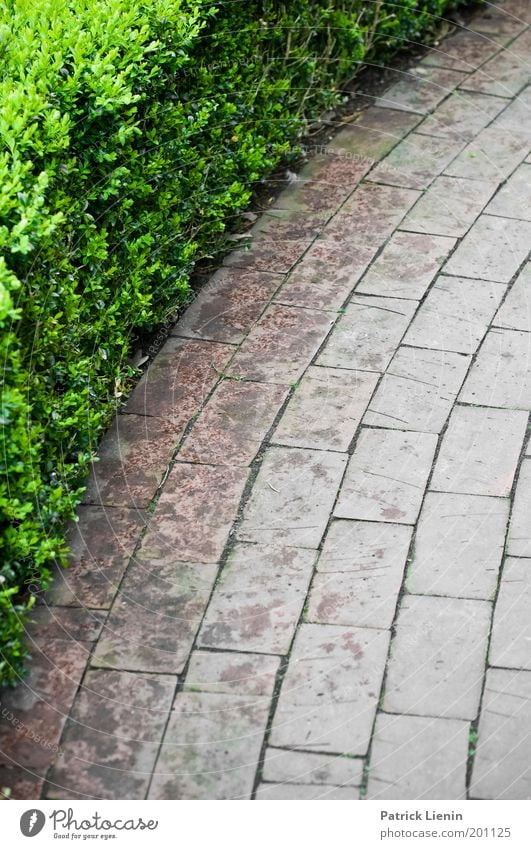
x=464, y=51
x=497, y=21
x=359, y=574
x=294, y=792
x=449, y=207
x=226, y=308
x=285, y=766
x=406, y=266
x=195, y=512
x=100, y=545
x=258, y=599
x=281, y=344
x=64, y=623
x=506, y=73
x=438, y=657
x=386, y=476
x=500, y=376
x=515, y=312
x=292, y=497
x=326, y=409
x=493, y=249
x=231, y=673
x=111, y=741
x=133, y=457
x=17, y=783
x=420, y=93
x=275, y=255
x=462, y=116
x=213, y=740
x=455, y=314
x=326, y=180
x=511, y=628
x=330, y=692
x=277, y=224
x=418, y=390
x=492, y=155
x=518, y=10
x=479, y=451
x=368, y=333
x=458, y=546
x=514, y=198
x=178, y=380
x=326, y=275
x=375, y=132
x=519, y=539
x=156, y=614
x=370, y=215
x=416, y=161
x=233, y=424
x=417, y=757
x=501, y=766
x=516, y=117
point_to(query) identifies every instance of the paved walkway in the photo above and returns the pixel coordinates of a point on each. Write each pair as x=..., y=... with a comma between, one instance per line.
x=303, y=565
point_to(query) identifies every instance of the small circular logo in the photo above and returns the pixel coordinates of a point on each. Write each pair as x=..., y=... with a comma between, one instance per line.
x=32, y=822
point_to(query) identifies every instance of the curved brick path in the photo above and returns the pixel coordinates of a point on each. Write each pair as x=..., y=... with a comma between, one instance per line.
x=310, y=527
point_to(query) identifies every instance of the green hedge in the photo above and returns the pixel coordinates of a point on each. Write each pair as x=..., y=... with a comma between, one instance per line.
x=132, y=130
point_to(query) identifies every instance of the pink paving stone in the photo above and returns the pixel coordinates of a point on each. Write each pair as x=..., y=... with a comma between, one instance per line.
x=258, y=599
x=292, y=497
x=325, y=181
x=275, y=255
x=326, y=409
x=370, y=215
x=156, y=614
x=386, y=476
x=16, y=783
x=464, y=51
x=331, y=689
x=195, y=512
x=492, y=155
x=111, y=741
x=326, y=275
x=281, y=344
x=449, y=207
x=100, y=546
x=233, y=424
x=416, y=161
x=290, y=223
x=420, y=92
x=462, y=116
x=493, y=249
x=64, y=623
x=230, y=303
x=133, y=457
x=179, y=379
x=368, y=333
x=406, y=266
x=506, y=73
x=507, y=19
x=375, y=132
x=231, y=673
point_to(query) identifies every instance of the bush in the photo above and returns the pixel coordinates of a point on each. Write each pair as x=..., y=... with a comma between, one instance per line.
x=131, y=133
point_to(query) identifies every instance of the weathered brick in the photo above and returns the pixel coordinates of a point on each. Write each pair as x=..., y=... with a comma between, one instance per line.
x=416, y=161
x=375, y=132
x=449, y=206
x=370, y=215
x=420, y=92
x=514, y=198
x=292, y=497
x=418, y=757
x=326, y=408
x=492, y=155
x=274, y=255
x=330, y=692
x=506, y=73
x=462, y=116
x=497, y=21
x=519, y=538
x=231, y=673
x=515, y=312
x=294, y=792
x=458, y=545
x=285, y=766
x=386, y=476
x=438, y=657
x=64, y=623
x=499, y=377
x=19, y=783
x=479, y=452
x=464, y=50
x=493, y=249
x=418, y=390
x=511, y=628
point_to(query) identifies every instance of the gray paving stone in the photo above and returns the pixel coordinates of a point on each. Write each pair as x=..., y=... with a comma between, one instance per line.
x=462, y=116
x=359, y=574
x=326, y=408
x=330, y=692
x=416, y=161
x=294, y=792
x=418, y=390
x=406, y=266
x=492, y=155
x=449, y=207
x=438, y=657
x=368, y=333
x=375, y=132
x=458, y=546
x=286, y=766
x=455, y=314
x=500, y=376
x=231, y=673
x=493, y=249
x=511, y=628
x=501, y=766
x=464, y=51
x=507, y=19
x=292, y=497
x=506, y=73
x=519, y=538
x=258, y=599
x=480, y=450
x=516, y=117
x=515, y=312
x=420, y=92
x=514, y=198
x=213, y=739
x=386, y=476
x=418, y=757
x=370, y=215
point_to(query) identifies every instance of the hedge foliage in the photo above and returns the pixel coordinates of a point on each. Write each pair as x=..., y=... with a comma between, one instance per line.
x=131, y=132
